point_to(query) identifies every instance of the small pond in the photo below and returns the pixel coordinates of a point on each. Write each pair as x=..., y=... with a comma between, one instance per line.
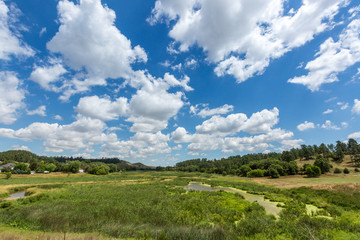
x=270, y=207
x=16, y=195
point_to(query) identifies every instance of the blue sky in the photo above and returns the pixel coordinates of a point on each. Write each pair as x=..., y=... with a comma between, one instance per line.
x=165, y=81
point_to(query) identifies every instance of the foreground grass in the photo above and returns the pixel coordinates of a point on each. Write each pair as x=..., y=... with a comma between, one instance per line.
x=156, y=206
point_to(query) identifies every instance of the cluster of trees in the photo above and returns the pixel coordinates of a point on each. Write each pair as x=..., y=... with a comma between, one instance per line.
x=277, y=164
x=26, y=162
x=335, y=152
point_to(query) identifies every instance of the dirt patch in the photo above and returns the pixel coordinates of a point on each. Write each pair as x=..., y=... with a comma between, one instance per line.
x=330, y=182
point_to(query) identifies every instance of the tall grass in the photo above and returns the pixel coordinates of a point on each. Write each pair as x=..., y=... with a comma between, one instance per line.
x=159, y=209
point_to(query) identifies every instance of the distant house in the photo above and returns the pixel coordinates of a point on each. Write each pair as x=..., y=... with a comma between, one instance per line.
x=8, y=165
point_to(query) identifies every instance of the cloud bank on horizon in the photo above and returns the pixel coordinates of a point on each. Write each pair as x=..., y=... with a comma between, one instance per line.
x=172, y=80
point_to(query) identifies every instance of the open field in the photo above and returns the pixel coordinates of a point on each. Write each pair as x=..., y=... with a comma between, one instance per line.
x=154, y=205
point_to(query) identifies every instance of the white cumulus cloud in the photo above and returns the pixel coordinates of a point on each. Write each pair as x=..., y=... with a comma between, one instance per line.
x=266, y=31
x=206, y=111
x=355, y=135
x=10, y=43
x=329, y=125
x=356, y=108
x=11, y=97
x=332, y=58
x=39, y=111
x=305, y=126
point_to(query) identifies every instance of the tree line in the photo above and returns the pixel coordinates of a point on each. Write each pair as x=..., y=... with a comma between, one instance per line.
x=278, y=164
x=25, y=162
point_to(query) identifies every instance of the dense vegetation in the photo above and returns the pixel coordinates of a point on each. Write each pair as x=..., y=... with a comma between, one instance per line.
x=27, y=161
x=155, y=206
x=278, y=164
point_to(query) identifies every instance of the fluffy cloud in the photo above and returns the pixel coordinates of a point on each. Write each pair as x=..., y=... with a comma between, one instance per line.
x=87, y=38
x=266, y=32
x=214, y=133
x=39, y=111
x=328, y=111
x=356, y=108
x=103, y=108
x=141, y=145
x=260, y=122
x=10, y=44
x=46, y=76
x=18, y=147
x=343, y=105
x=305, y=126
x=329, y=125
x=290, y=143
x=332, y=58
x=11, y=97
x=89, y=43
x=355, y=135
x=205, y=112
x=81, y=134
x=152, y=105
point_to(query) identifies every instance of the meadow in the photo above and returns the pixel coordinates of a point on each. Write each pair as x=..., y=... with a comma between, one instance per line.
x=155, y=205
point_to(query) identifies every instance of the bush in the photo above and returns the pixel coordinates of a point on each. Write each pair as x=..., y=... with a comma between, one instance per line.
x=256, y=173
x=357, y=170
x=244, y=169
x=337, y=170
x=98, y=168
x=18, y=171
x=21, y=168
x=272, y=172
x=312, y=171
x=8, y=175
x=278, y=168
x=346, y=171
x=323, y=164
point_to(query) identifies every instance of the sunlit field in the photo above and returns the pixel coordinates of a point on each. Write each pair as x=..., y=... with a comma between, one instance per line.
x=155, y=205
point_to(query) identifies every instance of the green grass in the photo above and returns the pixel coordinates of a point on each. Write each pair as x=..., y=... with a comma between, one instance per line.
x=145, y=205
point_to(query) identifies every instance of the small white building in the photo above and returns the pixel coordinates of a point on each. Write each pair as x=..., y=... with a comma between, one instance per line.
x=8, y=165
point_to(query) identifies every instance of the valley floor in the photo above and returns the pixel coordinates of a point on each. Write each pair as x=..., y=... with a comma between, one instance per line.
x=155, y=205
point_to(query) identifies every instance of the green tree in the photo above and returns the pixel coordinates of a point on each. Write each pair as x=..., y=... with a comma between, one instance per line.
x=255, y=173
x=73, y=166
x=287, y=156
x=273, y=172
x=323, y=164
x=50, y=167
x=312, y=171
x=8, y=175
x=244, y=169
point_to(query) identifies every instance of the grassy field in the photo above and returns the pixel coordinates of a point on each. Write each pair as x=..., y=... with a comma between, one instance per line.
x=154, y=205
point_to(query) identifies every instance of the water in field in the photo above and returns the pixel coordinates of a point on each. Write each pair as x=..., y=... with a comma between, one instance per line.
x=270, y=207
x=16, y=195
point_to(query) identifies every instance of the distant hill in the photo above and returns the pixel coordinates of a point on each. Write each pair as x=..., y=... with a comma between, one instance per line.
x=27, y=157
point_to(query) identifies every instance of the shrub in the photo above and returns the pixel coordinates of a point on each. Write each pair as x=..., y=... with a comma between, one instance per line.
x=293, y=168
x=337, y=170
x=312, y=171
x=98, y=168
x=346, y=171
x=18, y=171
x=272, y=172
x=256, y=173
x=357, y=170
x=244, y=169
x=21, y=168
x=8, y=175
x=323, y=164
x=278, y=168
